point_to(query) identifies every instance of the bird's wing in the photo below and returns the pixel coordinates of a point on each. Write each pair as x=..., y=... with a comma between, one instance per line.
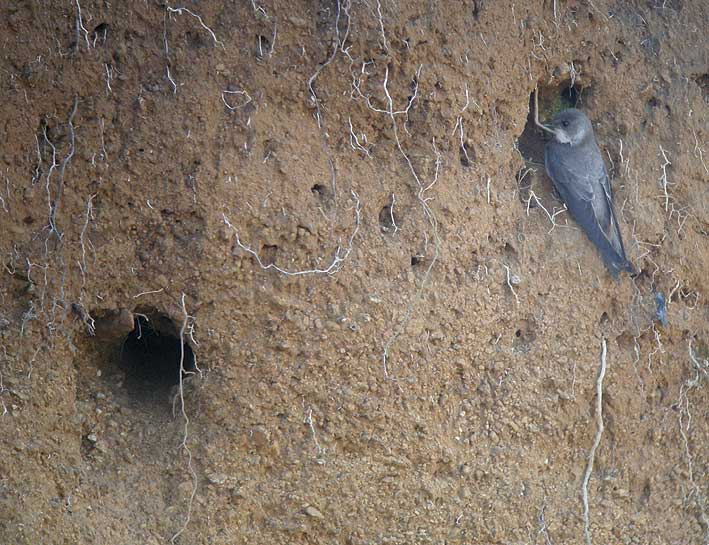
x=603, y=210
x=583, y=184
x=602, y=202
x=569, y=177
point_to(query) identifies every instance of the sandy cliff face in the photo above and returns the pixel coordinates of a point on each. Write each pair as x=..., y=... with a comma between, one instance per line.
x=335, y=218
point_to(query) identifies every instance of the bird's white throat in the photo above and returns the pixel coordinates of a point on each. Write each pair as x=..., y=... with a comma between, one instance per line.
x=561, y=136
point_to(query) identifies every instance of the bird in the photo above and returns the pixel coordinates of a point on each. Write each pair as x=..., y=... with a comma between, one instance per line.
x=574, y=163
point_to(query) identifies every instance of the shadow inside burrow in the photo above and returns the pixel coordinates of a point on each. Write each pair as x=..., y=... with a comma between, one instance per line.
x=532, y=177
x=151, y=357
x=552, y=100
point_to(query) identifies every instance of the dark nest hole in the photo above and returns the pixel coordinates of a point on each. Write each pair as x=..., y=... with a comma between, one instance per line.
x=151, y=356
x=552, y=100
x=324, y=195
x=319, y=190
x=417, y=260
x=389, y=220
x=525, y=335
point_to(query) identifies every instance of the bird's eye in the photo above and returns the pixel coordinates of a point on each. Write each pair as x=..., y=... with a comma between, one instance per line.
x=565, y=123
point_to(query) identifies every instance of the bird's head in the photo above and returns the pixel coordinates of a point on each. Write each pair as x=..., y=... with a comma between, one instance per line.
x=570, y=126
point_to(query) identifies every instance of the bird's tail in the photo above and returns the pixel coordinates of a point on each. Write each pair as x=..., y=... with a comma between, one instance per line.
x=614, y=256
x=617, y=264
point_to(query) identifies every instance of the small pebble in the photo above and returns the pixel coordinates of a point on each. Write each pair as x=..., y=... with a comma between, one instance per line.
x=313, y=512
x=217, y=478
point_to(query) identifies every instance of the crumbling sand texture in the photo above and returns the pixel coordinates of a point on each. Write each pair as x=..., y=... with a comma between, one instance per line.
x=391, y=329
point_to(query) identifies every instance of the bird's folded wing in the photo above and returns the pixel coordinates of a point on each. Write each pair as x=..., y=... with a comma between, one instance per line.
x=585, y=187
x=602, y=205
x=566, y=173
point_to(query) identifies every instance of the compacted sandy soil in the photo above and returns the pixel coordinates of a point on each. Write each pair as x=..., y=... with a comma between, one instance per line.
x=332, y=221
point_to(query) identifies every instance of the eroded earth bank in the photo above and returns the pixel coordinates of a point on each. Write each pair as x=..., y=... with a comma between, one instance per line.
x=335, y=218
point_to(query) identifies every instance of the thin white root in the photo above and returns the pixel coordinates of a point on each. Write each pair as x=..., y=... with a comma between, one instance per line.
x=421, y=195
x=53, y=202
x=510, y=281
x=2, y=200
x=85, y=317
x=536, y=112
x=596, y=442
x=244, y=94
x=391, y=213
x=85, y=240
x=701, y=374
x=80, y=28
x=380, y=18
x=2, y=391
x=308, y=419
x=699, y=152
x=167, y=54
x=180, y=10
x=358, y=142
x=258, y=9
x=187, y=330
x=543, y=526
x=148, y=292
x=338, y=260
x=663, y=179
x=338, y=44
x=552, y=216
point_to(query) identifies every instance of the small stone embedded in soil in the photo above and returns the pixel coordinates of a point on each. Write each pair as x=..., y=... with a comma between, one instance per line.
x=621, y=493
x=260, y=437
x=298, y=22
x=313, y=512
x=20, y=395
x=237, y=494
x=564, y=396
x=217, y=478
x=437, y=336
